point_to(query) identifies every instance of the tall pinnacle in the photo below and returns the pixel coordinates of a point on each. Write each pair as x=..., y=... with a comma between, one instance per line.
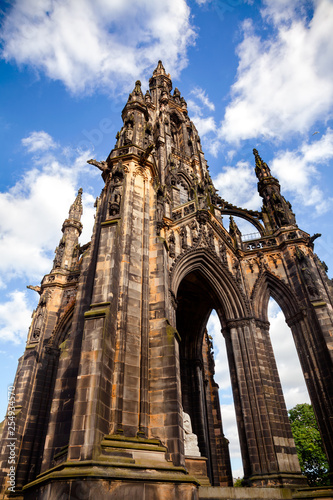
x=262, y=170
x=75, y=212
x=136, y=94
x=276, y=209
x=72, y=228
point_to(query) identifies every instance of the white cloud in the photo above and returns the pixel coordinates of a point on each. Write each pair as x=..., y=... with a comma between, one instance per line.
x=284, y=82
x=97, y=44
x=238, y=185
x=204, y=125
x=297, y=170
x=15, y=317
x=289, y=368
x=222, y=376
x=194, y=108
x=32, y=212
x=202, y=96
x=298, y=173
x=38, y=141
x=281, y=10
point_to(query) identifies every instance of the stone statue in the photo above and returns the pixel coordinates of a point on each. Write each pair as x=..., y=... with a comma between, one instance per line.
x=172, y=245
x=194, y=231
x=309, y=282
x=128, y=134
x=190, y=439
x=115, y=198
x=183, y=236
x=223, y=252
x=59, y=254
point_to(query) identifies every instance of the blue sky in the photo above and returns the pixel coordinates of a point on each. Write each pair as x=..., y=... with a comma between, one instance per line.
x=255, y=74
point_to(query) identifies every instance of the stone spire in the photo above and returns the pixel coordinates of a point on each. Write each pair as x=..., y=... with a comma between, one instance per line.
x=235, y=231
x=136, y=94
x=66, y=254
x=276, y=211
x=262, y=170
x=76, y=209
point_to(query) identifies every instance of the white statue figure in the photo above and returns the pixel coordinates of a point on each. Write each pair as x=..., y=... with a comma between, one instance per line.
x=190, y=439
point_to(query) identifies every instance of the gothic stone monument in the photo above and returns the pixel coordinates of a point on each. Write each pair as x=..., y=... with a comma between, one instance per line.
x=118, y=356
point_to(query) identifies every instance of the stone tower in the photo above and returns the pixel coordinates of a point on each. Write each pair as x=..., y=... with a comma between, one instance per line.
x=115, y=394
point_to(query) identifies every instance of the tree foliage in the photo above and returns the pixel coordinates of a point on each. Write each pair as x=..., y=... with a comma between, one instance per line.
x=309, y=445
x=238, y=483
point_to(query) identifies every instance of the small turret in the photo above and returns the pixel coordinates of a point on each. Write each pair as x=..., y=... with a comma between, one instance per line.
x=66, y=253
x=276, y=211
x=234, y=231
x=136, y=94
x=262, y=170
x=76, y=209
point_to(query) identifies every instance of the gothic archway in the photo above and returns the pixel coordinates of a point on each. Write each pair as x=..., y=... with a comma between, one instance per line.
x=195, y=300
x=201, y=283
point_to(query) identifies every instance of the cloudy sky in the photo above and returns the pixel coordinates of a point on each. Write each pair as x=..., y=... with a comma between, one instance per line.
x=254, y=74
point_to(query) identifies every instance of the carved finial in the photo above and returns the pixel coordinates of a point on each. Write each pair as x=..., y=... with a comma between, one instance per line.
x=78, y=200
x=159, y=69
x=137, y=89
x=76, y=209
x=232, y=225
x=136, y=94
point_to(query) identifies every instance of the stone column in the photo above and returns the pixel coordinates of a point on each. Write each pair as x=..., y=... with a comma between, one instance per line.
x=268, y=452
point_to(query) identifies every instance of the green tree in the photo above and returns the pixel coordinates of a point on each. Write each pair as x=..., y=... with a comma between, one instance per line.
x=238, y=483
x=309, y=445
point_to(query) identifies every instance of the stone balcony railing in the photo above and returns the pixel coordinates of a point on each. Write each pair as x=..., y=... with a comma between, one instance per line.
x=257, y=243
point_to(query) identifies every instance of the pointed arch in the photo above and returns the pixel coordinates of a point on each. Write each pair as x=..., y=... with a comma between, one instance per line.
x=229, y=295
x=268, y=285
x=182, y=176
x=176, y=116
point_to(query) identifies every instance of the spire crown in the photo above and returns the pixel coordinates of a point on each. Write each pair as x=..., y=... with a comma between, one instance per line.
x=160, y=78
x=159, y=70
